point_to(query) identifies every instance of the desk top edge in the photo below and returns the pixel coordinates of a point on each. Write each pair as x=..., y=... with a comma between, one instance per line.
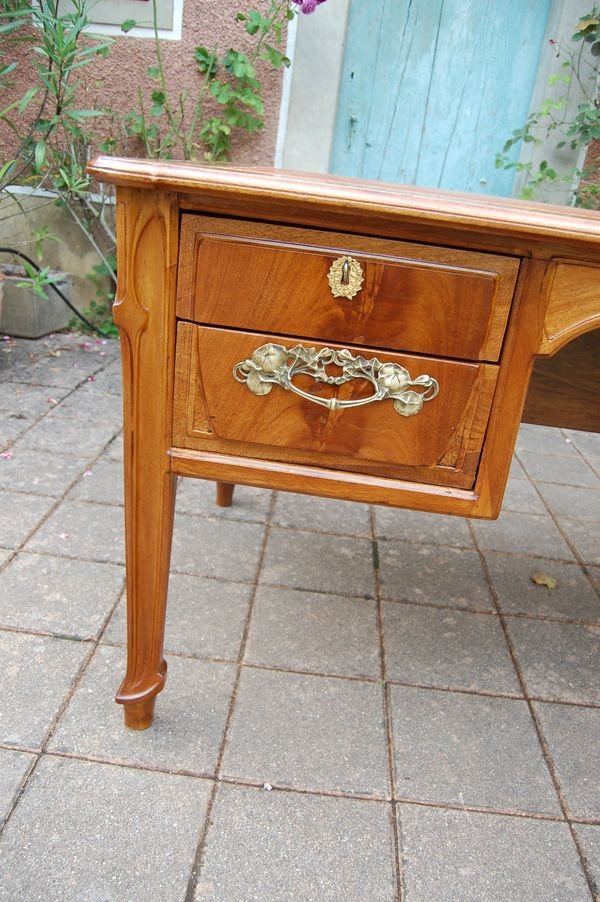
x=503, y=215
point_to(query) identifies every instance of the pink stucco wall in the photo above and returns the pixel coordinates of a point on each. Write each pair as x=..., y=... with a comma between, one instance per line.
x=113, y=81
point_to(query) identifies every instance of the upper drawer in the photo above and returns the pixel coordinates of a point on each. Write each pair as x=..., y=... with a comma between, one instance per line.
x=429, y=300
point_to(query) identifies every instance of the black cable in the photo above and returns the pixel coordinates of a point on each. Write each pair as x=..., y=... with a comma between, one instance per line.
x=84, y=319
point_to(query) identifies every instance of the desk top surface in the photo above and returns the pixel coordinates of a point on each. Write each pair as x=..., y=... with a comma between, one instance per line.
x=515, y=220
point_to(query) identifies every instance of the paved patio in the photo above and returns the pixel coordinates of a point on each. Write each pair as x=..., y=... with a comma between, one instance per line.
x=363, y=704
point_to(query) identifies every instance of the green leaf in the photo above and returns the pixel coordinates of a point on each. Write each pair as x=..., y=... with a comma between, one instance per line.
x=274, y=56
x=127, y=25
x=206, y=60
x=84, y=114
x=255, y=22
x=6, y=169
x=153, y=71
x=544, y=579
x=39, y=155
x=26, y=99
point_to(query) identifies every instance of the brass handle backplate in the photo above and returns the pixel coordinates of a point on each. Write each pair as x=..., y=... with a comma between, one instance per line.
x=273, y=364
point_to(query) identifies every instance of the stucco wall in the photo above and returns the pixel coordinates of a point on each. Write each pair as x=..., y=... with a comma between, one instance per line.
x=113, y=81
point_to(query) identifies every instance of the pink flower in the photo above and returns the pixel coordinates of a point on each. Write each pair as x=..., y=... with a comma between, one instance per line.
x=307, y=6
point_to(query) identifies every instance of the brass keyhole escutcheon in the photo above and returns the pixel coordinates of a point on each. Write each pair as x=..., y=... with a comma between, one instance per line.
x=345, y=277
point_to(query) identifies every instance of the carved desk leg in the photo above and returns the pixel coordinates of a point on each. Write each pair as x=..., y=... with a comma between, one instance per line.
x=144, y=314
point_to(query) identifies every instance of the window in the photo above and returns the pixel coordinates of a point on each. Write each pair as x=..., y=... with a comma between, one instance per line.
x=106, y=16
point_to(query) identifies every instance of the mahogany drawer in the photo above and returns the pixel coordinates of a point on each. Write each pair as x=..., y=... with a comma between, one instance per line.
x=413, y=298
x=440, y=444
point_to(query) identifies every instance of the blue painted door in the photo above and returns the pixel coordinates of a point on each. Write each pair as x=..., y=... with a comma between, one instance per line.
x=431, y=89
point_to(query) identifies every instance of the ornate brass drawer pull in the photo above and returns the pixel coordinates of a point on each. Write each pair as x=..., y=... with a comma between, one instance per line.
x=273, y=364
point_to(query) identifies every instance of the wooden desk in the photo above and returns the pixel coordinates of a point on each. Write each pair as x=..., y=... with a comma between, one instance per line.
x=328, y=336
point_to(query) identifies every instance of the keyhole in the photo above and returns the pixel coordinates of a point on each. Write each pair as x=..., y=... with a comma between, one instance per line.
x=345, y=280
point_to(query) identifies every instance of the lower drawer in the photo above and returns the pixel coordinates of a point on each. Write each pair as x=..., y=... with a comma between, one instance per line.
x=416, y=418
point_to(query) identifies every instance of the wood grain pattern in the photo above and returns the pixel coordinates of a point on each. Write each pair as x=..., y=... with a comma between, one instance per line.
x=573, y=304
x=371, y=208
x=144, y=313
x=565, y=389
x=441, y=444
x=446, y=302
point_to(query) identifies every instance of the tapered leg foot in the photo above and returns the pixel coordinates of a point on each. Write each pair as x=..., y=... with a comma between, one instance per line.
x=139, y=715
x=139, y=712
x=224, y=494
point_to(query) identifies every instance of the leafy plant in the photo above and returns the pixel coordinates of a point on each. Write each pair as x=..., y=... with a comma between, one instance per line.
x=53, y=133
x=228, y=98
x=581, y=68
x=99, y=312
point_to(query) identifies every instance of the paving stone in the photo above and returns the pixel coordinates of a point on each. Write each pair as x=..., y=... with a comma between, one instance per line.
x=589, y=836
x=114, y=450
x=337, y=565
x=310, y=631
x=573, y=597
x=188, y=723
x=436, y=647
x=559, y=661
x=523, y=534
x=102, y=482
x=585, y=538
x=520, y=495
x=205, y=617
x=516, y=469
x=416, y=526
x=468, y=750
x=296, y=730
x=64, y=369
x=462, y=856
x=12, y=429
x=65, y=435
x=68, y=597
x=92, y=532
x=14, y=767
x=431, y=574
x=572, y=502
x=563, y=470
x=39, y=472
x=29, y=401
x=37, y=673
x=573, y=737
x=109, y=380
x=93, y=406
x=5, y=553
x=544, y=440
x=220, y=548
x=198, y=496
x=116, y=834
x=588, y=443
x=19, y=514
x=594, y=572
x=344, y=518
x=12, y=355
x=285, y=846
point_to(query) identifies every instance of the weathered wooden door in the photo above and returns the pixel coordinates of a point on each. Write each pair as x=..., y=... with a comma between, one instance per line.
x=431, y=89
